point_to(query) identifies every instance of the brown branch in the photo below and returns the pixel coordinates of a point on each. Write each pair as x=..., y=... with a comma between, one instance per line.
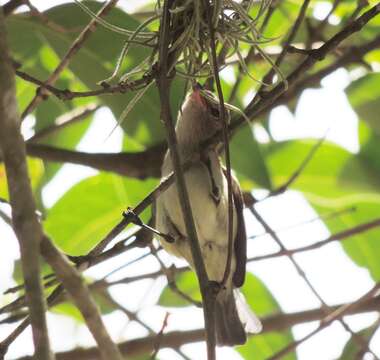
x=174, y=339
x=11, y=6
x=25, y=222
x=139, y=164
x=74, y=48
x=81, y=296
x=351, y=55
x=254, y=109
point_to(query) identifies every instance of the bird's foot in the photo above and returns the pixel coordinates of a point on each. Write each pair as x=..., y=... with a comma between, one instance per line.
x=135, y=219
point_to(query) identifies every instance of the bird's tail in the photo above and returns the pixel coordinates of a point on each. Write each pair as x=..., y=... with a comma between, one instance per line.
x=233, y=319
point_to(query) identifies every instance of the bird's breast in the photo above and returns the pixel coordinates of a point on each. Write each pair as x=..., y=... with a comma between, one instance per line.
x=210, y=214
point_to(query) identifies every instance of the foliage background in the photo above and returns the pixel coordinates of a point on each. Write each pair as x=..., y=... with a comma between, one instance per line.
x=342, y=178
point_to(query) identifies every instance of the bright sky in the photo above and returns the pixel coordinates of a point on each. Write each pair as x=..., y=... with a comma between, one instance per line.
x=331, y=271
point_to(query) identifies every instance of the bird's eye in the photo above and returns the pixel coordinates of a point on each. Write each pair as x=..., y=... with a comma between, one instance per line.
x=214, y=112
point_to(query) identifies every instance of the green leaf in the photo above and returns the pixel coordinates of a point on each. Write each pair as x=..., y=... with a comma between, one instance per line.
x=263, y=303
x=261, y=347
x=84, y=215
x=35, y=170
x=258, y=296
x=335, y=180
x=364, y=97
x=247, y=159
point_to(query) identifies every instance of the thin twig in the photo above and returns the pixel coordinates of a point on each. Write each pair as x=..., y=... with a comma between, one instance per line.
x=281, y=189
x=359, y=229
x=67, y=95
x=301, y=272
x=159, y=336
x=170, y=276
x=285, y=45
x=323, y=217
x=335, y=315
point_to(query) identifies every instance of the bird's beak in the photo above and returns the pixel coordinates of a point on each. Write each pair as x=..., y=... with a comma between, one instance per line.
x=197, y=97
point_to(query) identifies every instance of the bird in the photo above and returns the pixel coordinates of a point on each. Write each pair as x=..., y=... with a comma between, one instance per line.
x=206, y=182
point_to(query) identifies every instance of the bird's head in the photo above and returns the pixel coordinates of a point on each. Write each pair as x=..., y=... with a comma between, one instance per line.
x=199, y=118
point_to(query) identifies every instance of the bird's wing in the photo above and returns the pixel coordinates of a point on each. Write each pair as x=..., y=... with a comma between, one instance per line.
x=240, y=242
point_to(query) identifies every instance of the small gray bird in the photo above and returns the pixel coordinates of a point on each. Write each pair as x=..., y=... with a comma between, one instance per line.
x=208, y=192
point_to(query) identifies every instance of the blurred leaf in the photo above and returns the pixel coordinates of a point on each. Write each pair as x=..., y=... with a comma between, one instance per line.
x=83, y=216
x=68, y=309
x=35, y=170
x=247, y=160
x=364, y=97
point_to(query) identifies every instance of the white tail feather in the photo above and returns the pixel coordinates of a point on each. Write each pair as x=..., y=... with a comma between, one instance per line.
x=252, y=323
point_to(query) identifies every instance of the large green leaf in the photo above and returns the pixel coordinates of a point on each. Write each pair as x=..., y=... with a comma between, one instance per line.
x=80, y=219
x=334, y=180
